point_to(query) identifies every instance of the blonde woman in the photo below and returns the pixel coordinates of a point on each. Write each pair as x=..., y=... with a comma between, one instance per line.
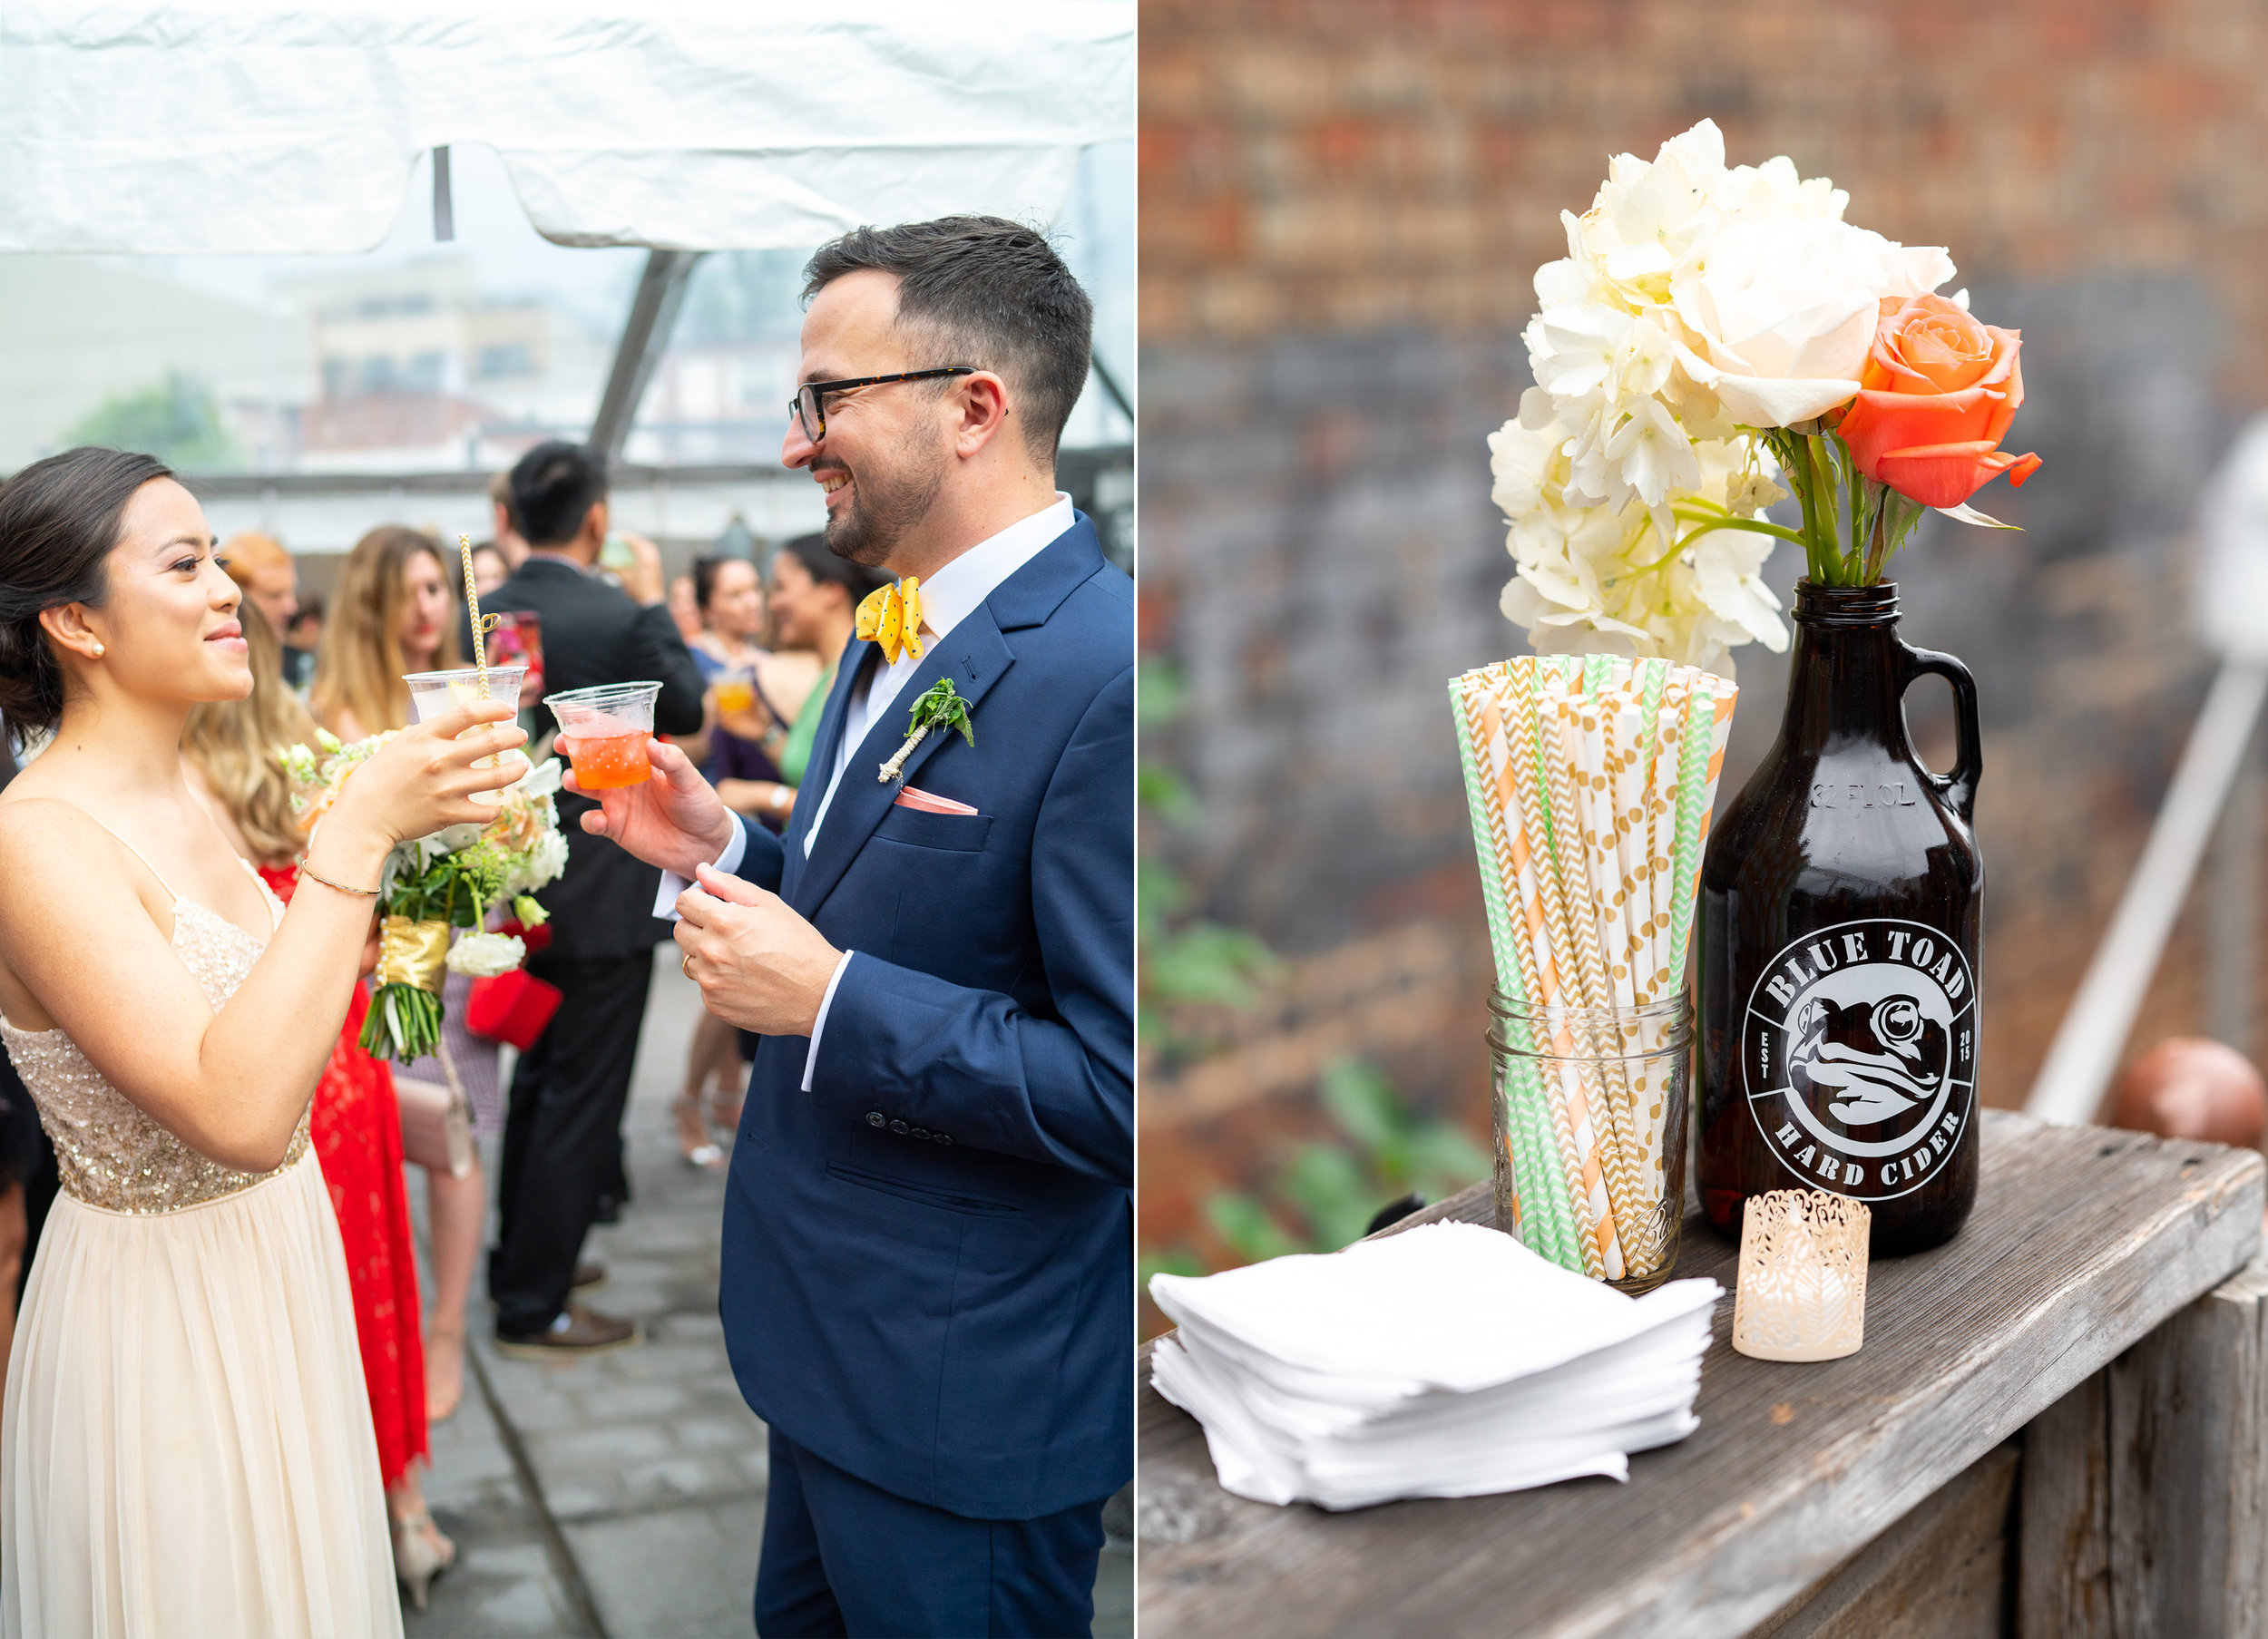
x=396, y=612
x=231, y=756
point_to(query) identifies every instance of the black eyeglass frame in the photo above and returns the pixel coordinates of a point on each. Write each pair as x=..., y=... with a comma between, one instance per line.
x=814, y=393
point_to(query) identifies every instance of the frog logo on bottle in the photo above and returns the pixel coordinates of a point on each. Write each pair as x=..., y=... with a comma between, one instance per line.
x=1859, y=1050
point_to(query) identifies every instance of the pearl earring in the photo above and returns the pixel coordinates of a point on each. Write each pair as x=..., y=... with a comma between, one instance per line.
x=98, y=651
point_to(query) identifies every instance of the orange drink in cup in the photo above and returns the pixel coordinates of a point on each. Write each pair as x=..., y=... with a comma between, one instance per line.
x=736, y=692
x=604, y=731
x=431, y=693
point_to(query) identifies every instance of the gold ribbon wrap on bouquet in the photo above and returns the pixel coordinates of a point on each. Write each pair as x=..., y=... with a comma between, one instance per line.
x=413, y=953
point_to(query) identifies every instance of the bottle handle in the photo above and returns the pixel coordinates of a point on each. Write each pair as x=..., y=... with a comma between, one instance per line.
x=1958, y=787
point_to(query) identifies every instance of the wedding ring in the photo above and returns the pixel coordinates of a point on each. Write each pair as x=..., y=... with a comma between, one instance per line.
x=685, y=964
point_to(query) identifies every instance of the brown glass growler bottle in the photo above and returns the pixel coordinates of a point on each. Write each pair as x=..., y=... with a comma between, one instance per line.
x=1842, y=901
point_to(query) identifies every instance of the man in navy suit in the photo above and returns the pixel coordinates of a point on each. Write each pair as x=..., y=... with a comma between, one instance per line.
x=928, y=1271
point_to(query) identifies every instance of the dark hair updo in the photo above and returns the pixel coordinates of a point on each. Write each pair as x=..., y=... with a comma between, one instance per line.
x=59, y=522
x=856, y=580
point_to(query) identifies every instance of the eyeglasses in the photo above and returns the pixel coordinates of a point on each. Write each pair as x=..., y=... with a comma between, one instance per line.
x=809, y=403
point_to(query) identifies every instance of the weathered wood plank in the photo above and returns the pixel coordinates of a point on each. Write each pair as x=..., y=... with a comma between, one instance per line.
x=1941, y=1573
x=2145, y=1494
x=2084, y=1239
x=2063, y=1519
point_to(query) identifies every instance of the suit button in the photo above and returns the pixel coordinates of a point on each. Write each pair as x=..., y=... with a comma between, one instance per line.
x=921, y=1132
x=873, y=1117
x=897, y=1127
x=944, y=1138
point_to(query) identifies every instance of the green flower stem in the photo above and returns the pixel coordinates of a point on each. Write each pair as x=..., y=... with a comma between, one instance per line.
x=1755, y=524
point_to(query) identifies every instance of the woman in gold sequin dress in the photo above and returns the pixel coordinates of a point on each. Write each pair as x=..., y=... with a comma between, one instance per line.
x=185, y=1442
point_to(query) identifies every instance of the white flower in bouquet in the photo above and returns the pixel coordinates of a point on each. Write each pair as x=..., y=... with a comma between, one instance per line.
x=544, y=861
x=481, y=955
x=1786, y=310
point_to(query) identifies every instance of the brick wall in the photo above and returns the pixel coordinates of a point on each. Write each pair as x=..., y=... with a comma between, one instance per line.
x=1342, y=208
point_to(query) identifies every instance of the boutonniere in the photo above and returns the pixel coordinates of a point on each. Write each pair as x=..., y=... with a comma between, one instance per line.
x=941, y=708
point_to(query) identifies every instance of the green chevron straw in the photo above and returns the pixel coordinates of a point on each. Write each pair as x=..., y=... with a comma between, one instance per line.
x=1693, y=766
x=1545, y=1227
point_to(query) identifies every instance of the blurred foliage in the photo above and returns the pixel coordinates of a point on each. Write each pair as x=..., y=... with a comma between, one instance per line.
x=1184, y=961
x=176, y=420
x=1326, y=1194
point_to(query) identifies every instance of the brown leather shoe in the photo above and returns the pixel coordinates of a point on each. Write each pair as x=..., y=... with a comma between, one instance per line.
x=589, y=1277
x=578, y=1332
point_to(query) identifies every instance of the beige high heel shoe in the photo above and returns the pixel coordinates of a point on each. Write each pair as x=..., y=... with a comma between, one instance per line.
x=421, y=1553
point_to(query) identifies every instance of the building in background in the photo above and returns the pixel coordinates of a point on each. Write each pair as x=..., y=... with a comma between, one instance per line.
x=1343, y=206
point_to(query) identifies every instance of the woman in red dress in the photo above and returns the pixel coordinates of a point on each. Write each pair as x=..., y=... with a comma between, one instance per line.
x=229, y=757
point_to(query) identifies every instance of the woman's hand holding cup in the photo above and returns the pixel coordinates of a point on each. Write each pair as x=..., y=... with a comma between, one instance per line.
x=421, y=781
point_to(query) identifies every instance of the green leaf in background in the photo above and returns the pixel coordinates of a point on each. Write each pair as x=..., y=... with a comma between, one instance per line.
x=1333, y=1192
x=1161, y=693
x=1206, y=962
x=1363, y=1102
x=1165, y=791
x=1245, y=1224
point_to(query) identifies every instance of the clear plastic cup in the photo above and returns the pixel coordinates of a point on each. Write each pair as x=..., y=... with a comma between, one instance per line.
x=605, y=730
x=431, y=693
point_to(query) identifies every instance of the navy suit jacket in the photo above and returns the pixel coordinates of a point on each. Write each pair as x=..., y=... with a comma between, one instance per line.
x=928, y=1258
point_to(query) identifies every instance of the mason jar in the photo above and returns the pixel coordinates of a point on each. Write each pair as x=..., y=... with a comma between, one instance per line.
x=1589, y=1112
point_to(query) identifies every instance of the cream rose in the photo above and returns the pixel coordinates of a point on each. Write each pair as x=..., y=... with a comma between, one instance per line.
x=1785, y=309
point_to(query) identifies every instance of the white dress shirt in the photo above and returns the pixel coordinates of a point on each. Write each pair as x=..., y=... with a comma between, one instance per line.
x=948, y=598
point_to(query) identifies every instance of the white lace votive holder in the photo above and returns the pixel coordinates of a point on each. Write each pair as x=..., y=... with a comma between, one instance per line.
x=1802, y=1276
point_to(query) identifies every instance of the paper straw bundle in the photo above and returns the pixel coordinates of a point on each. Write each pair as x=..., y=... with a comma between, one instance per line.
x=1591, y=781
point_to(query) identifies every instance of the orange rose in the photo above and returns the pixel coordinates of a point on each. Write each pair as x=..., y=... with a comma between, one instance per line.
x=1935, y=399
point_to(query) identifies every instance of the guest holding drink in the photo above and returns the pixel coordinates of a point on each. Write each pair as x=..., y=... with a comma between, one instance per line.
x=396, y=600
x=562, y=1165
x=230, y=758
x=396, y=615
x=814, y=606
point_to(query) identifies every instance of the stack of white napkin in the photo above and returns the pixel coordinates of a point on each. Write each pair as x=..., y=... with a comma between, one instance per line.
x=1447, y=1360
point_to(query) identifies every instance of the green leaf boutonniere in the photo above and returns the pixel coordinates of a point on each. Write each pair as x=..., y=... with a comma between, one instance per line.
x=941, y=708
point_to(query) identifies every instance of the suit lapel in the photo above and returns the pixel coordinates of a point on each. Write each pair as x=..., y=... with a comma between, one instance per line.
x=974, y=655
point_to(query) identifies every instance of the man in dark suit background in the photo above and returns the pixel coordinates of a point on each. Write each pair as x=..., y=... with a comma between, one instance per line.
x=928, y=1254
x=562, y=1131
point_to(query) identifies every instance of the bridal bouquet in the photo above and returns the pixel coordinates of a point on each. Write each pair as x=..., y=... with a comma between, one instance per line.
x=1714, y=334
x=434, y=884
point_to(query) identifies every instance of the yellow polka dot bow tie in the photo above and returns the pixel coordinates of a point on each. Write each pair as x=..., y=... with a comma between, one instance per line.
x=892, y=616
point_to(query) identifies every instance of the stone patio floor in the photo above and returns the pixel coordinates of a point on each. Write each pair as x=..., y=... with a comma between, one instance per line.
x=624, y=1497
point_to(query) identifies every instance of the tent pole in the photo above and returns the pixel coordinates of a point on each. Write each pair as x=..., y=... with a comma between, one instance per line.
x=653, y=312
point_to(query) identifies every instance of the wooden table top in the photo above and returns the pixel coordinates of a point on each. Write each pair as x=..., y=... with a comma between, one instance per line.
x=2083, y=1240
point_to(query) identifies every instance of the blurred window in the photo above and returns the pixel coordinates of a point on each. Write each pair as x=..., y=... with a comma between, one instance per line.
x=255, y=363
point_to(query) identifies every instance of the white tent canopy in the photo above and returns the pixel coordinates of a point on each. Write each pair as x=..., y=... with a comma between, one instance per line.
x=179, y=128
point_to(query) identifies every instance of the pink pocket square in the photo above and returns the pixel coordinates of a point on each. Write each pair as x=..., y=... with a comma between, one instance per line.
x=913, y=796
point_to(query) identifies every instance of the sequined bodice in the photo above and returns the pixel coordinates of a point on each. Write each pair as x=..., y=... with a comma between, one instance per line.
x=108, y=1152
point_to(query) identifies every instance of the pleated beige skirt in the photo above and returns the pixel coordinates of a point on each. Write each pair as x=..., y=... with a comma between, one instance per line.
x=187, y=1445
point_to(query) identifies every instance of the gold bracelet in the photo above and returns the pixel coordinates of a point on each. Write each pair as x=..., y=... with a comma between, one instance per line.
x=308, y=870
